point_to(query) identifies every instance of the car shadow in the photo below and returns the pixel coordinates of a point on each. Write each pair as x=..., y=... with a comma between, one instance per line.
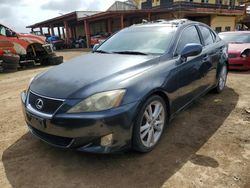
x=31, y=163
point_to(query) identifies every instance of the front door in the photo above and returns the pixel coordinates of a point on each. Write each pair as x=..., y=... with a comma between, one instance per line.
x=190, y=81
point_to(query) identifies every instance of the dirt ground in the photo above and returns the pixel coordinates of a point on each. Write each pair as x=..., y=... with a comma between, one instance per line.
x=208, y=145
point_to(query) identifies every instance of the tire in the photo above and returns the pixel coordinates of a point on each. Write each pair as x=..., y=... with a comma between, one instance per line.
x=147, y=130
x=56, y=60
x=222, y=79
x=52, y=60
x=10, y=63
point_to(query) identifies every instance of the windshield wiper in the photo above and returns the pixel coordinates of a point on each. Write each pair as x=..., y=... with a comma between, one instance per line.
x=130, y=52
x=102, y=51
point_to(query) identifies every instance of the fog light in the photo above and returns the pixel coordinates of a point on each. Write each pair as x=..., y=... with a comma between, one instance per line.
x=107, y=140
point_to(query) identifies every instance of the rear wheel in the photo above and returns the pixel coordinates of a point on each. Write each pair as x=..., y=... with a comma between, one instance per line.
x=150, y=124
x=222, y=79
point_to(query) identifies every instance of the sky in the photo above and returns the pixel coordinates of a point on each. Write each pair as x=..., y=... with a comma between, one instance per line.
x=17, y=14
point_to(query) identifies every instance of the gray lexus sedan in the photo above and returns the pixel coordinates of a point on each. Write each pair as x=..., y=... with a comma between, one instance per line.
x=126, y=92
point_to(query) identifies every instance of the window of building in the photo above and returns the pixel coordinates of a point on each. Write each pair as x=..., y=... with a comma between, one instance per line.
x=218, y=29
x=227, y=28
x=189, y=35
x=219, y=2
x=206, y=34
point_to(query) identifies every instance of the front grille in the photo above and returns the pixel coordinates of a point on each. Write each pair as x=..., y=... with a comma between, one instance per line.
x=52, y=139
x=49, y=106
x=232, y=55
x=48, y=48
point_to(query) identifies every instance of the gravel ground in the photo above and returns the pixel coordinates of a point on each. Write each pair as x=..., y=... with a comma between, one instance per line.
x=208, y=145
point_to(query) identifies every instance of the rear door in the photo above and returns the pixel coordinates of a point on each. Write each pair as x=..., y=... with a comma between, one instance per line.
x=211, y=55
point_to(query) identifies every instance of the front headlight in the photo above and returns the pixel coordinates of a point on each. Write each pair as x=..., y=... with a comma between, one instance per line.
x=99, y=102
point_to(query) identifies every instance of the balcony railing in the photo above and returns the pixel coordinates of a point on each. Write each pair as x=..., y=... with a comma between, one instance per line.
x=185, y=5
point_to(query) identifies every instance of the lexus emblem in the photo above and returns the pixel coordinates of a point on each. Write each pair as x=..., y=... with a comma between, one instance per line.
x=39, y=104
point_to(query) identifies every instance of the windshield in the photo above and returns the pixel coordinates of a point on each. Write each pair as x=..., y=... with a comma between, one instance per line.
x=140, y=41
x=235, y=37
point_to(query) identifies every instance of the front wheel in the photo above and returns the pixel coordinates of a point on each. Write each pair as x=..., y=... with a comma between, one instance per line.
x=149, y=124
x=222, y=79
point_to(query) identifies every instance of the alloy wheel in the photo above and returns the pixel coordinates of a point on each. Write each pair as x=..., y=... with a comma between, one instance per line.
x=152, y=124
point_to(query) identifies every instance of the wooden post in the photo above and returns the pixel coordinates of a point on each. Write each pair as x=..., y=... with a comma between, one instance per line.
x=67, y=30
x=75, y=32
x=149, y=16
x=70, y=32
x=63, y=32
x=109, y=26
x=52, y=30
x=59, y=32
x=48, y=30
x=122, y=21
x=87, y=33
x=41, y=30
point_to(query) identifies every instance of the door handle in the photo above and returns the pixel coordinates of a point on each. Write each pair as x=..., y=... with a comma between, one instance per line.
x=205, y=58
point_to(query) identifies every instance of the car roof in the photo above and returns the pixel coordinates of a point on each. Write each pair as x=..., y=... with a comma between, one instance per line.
x=164, y=23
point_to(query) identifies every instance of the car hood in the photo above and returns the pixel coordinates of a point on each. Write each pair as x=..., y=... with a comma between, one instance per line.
x=5, y=44
x=32, y=38
x=237, y=48
x=65, y=80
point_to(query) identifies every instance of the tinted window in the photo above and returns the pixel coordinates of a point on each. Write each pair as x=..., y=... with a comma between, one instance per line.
x=189, y=35
x=206, y=34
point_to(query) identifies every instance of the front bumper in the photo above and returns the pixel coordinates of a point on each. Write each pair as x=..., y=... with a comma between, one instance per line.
x=83, y=131
x=239, y=63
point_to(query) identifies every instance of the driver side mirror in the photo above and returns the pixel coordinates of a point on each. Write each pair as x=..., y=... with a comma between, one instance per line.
x=191, y=49
x=95, y=47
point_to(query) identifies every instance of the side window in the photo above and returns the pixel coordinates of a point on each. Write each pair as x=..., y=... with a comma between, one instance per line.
x=189, y=35
x=215, y=37
x=2, y=30
x=206, y=34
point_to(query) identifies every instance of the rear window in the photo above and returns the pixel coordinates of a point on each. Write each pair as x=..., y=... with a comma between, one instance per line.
x=207, y=36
